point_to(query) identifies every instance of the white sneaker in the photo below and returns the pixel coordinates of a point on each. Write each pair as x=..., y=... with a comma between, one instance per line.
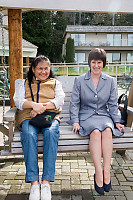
x=34, y=192
x=45, y=192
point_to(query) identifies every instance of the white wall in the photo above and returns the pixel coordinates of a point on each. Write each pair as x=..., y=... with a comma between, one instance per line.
x=118, y=6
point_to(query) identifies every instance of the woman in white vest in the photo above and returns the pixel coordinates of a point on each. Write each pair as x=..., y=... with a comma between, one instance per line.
x=48, y=95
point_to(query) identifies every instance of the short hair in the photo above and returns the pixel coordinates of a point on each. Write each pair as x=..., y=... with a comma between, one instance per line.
x=97, y=54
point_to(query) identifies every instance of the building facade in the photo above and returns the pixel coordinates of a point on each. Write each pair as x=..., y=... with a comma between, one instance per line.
x=117, y=41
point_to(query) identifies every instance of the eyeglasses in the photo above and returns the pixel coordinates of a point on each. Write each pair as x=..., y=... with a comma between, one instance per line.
x=41, y=69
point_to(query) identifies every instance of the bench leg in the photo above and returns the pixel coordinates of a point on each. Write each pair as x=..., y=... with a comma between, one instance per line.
x=10, y=135
x=121, y=152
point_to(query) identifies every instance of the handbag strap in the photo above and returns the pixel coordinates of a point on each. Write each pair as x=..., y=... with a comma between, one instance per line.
x=38, y=87
x=31, y=92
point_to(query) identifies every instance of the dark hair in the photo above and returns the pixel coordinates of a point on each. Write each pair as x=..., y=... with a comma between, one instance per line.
x=34, y=63
x=97, y=54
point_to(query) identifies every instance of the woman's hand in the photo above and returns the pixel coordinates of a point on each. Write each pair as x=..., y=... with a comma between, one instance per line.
x=39, y=108
x=49, y=105
x=120, y=127
x=33, y=113
x=76, y=127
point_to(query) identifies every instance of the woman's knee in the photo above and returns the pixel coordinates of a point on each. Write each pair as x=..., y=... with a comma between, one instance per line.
x=107, y=133
x=28, y=131
x=53, y=130
x=95, y=135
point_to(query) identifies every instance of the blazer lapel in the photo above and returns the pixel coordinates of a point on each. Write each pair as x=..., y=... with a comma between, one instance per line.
x=89, y=82
x=101, y=82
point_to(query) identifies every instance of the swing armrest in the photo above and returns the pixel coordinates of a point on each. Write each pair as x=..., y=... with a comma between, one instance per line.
x=10, y=115
x=129, y=109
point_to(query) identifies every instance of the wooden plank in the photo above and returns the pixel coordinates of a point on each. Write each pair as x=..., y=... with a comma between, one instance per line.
x=77, y=148
x=71, y=6
x=10, y=114
x=69, y=142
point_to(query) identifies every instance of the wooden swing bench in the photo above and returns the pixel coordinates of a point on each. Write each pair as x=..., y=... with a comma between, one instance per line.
x=68, y=141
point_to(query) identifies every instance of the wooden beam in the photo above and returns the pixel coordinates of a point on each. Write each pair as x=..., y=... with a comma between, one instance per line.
x=116, y=6
x=15, y=47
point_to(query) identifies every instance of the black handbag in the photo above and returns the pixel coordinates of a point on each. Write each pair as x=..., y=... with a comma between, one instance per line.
x=124, y=114
x=43, y=120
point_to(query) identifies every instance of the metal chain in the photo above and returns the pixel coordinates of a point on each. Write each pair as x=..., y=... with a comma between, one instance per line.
x=5, y=77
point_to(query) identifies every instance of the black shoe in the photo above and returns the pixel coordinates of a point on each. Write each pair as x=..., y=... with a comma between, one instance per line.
x=107, y=187
x=99, y=190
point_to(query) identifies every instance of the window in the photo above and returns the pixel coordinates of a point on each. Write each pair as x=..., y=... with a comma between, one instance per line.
x=114, y=39
x=80, y=57
x=116, y=57
x=113, y=57
x=130, y=57
x=130, y=39
x=79, y=39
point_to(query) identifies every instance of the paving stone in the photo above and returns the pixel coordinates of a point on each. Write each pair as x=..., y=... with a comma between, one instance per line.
x=127, y=173
x=75, y=180
x=61, y=177
x=76, y=197
x=120, y=198
x=2, y=178
x=74, y=165
x=114, y=193
x=104, y=198
x=129, y=195
x=79, y=170
x=5, y=187
x=120, y=177
x=126, y=183
x=17, y=197
x=114, y=181
x=56, y=188
x=66, y=169
x=3, y=192
x=121, y=187
x=3, y=197
x=61, y=197
x=19, y=177
x=65, y=184
x=13, y=182
x=58, y=171
x=130, y=179
x=11, y=175
x=84, y=176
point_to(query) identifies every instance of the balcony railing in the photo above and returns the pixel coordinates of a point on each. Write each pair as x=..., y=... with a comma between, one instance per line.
x=122, y=42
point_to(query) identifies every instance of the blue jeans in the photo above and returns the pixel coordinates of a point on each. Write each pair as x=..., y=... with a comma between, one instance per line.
x=50, y=146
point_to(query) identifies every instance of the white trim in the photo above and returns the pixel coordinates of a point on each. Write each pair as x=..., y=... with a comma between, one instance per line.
x=119, y=6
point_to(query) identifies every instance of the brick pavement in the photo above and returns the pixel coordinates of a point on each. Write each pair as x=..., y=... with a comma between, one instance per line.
x=73, y=179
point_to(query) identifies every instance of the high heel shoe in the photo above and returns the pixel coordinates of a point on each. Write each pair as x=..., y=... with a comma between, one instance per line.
x=99, y=190
x=107, y=186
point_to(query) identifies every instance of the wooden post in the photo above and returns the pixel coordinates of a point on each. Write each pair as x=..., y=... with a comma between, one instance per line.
x=15, y=47
x=130, y=103
x=27, y=61
x=2, y=60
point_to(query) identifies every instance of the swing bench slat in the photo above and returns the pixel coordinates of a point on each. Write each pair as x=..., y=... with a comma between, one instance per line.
x=68, y=141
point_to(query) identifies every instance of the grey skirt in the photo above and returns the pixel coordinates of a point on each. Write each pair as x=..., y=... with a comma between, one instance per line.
x=99, y=122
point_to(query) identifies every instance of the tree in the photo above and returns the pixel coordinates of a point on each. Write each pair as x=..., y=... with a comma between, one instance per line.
x=45, y=29
x=70, y=52
x=59, y=23
x=37, y=29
